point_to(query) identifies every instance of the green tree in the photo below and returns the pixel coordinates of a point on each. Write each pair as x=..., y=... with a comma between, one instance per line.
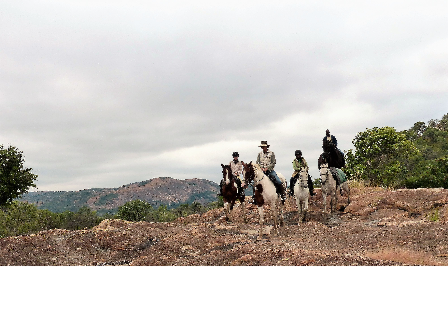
x=162, y=214
x=15, y=180
x=82, y=219
x=382, y=157
x=136, y=210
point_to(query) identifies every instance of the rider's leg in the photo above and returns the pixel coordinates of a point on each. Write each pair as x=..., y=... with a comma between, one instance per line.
x=278, y=184
x=292, y=182
x=310, y=185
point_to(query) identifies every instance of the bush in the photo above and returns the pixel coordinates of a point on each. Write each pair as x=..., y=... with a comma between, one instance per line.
x=135, y=211
x=84, y=218
x=19, y=218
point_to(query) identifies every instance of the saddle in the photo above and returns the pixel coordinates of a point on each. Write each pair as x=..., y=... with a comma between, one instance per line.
x=338, y=175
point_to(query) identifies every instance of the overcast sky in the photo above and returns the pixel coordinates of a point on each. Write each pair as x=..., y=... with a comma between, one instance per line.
x=106, y=93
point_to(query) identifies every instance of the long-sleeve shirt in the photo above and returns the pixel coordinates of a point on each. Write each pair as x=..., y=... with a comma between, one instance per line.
x=266, y=161
x=297, y=165
x=237, y=169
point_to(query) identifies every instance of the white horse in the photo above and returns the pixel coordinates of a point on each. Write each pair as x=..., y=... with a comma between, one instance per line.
x=265, y=192
x=302, y=193
x=330, y=188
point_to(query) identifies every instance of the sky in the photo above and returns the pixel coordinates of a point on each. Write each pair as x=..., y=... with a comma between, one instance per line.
x=98, y=94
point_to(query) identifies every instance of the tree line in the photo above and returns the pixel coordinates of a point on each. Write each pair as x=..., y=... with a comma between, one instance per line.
x=19, y=218
x=413, y=158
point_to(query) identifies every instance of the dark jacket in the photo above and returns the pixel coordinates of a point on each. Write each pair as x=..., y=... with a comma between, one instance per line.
x=325, y=142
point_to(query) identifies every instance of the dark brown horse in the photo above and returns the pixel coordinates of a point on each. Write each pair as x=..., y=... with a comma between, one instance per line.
x=230, y=191
x=331, y=156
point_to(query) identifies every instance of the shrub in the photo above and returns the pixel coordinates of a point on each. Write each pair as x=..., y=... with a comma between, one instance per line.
x=136, y=210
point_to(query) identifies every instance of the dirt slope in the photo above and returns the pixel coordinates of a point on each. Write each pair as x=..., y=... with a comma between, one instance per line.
x=379, y=227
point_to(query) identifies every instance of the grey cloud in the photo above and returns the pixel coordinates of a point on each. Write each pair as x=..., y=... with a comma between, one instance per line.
x=100, y=85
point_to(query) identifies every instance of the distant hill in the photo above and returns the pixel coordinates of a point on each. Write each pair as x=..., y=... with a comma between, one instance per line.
x=158, y=191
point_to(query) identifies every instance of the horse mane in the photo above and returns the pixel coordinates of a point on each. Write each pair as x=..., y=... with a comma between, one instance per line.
x=227, y=168
x=256, y=165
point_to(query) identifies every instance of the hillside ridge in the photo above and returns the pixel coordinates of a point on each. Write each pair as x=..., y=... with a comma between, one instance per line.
x=156, y=191
x=380, y=227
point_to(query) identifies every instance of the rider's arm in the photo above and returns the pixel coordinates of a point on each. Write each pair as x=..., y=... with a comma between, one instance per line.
x=273, y=162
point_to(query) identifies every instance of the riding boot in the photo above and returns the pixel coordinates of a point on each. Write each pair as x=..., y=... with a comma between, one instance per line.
x=311, y=186
x=282, y=193
x=292, y=182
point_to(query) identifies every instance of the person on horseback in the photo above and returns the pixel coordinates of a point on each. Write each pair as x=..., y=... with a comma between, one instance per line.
x=332, y=154
x=298, y=163
x=236, y=167
x=237, y=171
x=266, y=161
x=329, y=141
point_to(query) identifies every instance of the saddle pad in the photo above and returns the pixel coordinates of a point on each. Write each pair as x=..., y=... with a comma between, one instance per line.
x=341, y=175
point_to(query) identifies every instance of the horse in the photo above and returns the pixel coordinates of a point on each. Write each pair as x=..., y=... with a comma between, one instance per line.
x=265, y=192
x=330, y=187
x=230, y=192
x=332, y=156
x=302, y=193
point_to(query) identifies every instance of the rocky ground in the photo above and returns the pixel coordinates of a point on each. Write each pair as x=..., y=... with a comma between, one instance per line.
x=380, y=227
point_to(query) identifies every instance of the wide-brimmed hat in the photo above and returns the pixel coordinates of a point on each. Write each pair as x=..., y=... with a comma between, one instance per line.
x=264, y=144
x=235, y=154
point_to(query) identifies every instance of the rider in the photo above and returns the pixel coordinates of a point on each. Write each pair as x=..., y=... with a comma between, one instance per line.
x=237, y=171
x=329, y=141
x=236, y=167
x=266, y=161
x=297, y=165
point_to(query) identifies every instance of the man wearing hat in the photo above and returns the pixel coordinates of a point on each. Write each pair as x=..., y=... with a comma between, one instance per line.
x=236, y=167
x=237, y=171
x=298, y=163
x=266, y=161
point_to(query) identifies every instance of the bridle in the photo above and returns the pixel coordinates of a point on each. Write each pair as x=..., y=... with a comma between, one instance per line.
x=303, y=181
x=250, y=176
x=324, y=174
x=227, y=173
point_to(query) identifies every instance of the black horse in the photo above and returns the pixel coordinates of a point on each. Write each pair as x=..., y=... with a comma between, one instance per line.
x=331, y=155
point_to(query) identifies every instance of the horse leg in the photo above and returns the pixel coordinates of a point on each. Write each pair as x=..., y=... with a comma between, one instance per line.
x=333, y=200
x=280, y=213
x=275, y=212
x=260, y=212
x=232, y=205
x=243, y=209
x=305, y=211
x=227, y=210
x=324, y=196
x=347, y=191
x=300, y=209
x=336, y=198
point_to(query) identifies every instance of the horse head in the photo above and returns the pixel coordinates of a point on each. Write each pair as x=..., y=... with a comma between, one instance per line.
x=324, y=172
x=226, y=173
x=303, y=177
x=249, y=172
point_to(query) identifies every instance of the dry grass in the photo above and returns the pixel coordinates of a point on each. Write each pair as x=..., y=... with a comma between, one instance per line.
x=405, y=256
